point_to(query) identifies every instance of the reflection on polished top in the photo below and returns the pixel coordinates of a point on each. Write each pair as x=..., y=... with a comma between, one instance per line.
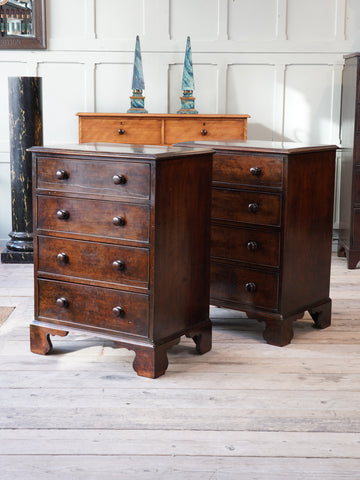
x=121, y=150
x=260, y=146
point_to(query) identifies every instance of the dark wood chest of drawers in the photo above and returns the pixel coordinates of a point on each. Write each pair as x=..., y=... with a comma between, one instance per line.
x=349, y=231
x=271, y=234
x=122, y=246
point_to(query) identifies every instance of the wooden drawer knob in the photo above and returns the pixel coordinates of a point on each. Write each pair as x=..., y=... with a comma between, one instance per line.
x=204, y=131
x=118, y=265
x=62, y=302
x=62, y=174
x=255, y=171
x=119, y=221
x=62, y=258
x=118, y=311
x=252, y=246
x=253, y=207
x=250, y=287
x=121, y=131
x=119, y=179
x=62, y=214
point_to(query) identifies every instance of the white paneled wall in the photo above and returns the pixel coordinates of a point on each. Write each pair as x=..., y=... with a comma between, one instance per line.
x=278, y=60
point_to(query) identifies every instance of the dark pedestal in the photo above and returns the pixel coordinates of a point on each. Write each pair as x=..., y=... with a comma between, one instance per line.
x=25, y=117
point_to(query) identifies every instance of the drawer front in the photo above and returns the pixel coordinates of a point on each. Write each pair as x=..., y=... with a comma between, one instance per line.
x=245, y=245
x=244, y=286
x=93, y=307
x=93, y=218
x=191, y=129
x=246, y=207
x=247, y=170
x=132, y=130
x=94, y=261
x=82, y=176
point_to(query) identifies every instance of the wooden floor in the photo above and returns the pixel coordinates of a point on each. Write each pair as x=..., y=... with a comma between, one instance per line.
x=245, y=410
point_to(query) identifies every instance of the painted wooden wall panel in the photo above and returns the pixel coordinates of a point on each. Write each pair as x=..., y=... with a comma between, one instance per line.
x=352, y=24
x=119, y=18
x=308, y=100
x=199, y=19
x=311, y=20
x=250, y=89
x=67, y=19
x=113, y=87
x=255, y=20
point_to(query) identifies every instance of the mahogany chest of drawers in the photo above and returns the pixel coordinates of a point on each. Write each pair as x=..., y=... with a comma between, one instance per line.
x=159, y=129
x=271, y=233
x=122, y=246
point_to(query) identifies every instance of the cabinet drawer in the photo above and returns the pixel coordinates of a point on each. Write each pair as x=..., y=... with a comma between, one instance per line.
x=93, y=218
x=94, y=261
x=190, y=129
x=134, y=130
x=245, y=245
x=245, y=206
x=93, y=307
x=244, y=286
x=247, y=170
x=94, y=177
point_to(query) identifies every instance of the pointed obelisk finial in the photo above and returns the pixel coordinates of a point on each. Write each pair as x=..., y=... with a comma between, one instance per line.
x=138, y=84
x=187, y=86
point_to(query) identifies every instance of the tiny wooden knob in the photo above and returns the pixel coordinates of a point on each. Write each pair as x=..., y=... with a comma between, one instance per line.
x=204, y=131
x=62, y=302
x=121, y=131
x=119, y=179
x=253, y=207
x=119, y=221
x=255, y=171
x=250, y=287
x=62, y=174
x=252, y=246
x=62, y=258
x=118, y=265
x=62, y=214
x=118, y=311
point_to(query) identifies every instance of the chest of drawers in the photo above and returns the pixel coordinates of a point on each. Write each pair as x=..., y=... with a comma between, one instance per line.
x=122, y=246
x=159, y=129
x=272, y=207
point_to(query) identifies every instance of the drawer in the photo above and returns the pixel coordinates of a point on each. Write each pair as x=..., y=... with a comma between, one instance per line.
x=134, y=130
x=245, y=206
x=247, y=170
x=244, y=286
x=245, y=245
x=190, y=129
x=82, y=176
x=94, y=261
x=93, y=307
x=93, y=218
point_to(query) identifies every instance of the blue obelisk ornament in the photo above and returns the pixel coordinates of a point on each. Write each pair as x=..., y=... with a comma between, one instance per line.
x=138, y=84
x=188, y=100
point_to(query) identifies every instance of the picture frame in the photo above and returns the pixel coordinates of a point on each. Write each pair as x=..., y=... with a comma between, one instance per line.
x=23, y=24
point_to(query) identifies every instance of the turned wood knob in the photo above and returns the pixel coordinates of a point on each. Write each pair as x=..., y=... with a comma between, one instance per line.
x=62, y=174
x=62, y=214
x=118, y=265
x=253, y=207
x=203, y=131
x=250, y=287
x=62, y=302
x=121, y=131
x=62, y=258
x=119, y=221
x=252, y=246
x=118, y=311
x=119, y=179
x=255, y=171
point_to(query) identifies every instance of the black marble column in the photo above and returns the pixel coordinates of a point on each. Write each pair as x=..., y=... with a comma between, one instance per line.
x=25, y=117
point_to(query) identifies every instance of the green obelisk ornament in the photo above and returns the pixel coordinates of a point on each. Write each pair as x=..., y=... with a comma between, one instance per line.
x=188, y=99
x=138, y=84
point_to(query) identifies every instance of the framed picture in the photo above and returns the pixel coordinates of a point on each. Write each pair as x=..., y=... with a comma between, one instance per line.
x=22, y=24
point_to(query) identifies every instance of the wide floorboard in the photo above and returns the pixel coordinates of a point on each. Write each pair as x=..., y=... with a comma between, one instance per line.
x=245, y=410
